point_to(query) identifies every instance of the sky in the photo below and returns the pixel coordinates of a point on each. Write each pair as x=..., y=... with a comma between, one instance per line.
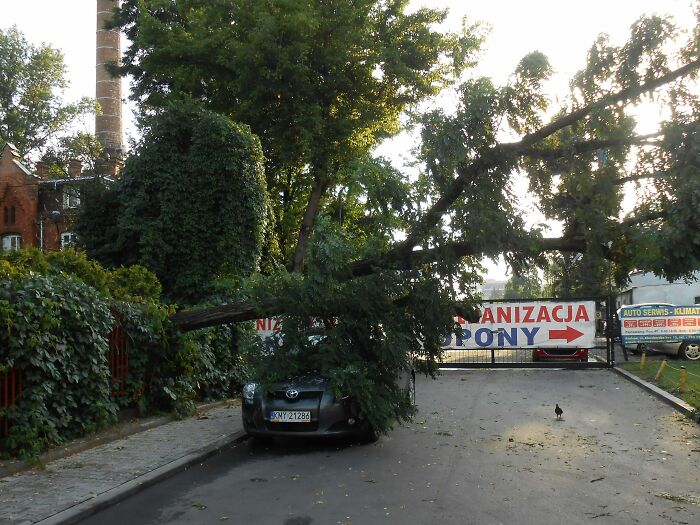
x=562, y=30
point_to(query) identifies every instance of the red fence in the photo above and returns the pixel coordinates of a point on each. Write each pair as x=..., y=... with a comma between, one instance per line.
x=118, y=360
x=12, y=381
x=11, y=384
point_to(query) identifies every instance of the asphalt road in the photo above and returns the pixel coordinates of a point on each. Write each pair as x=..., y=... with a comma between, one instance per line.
x=485, y=448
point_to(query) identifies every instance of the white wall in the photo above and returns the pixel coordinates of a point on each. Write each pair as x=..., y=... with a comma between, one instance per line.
x=676, y=293
x=647, y=288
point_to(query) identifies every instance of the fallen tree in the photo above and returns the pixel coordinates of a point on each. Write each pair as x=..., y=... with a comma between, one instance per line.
x=404, y=256
x=393, y=297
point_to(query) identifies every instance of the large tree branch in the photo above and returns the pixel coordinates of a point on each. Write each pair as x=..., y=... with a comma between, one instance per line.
x=235, y=312
x=588, y=146
x=649, y=216
x=403, y=252
x=415, y=258
x=620, y=96
x=247, y=311
x=642, y=176
x=502, y=154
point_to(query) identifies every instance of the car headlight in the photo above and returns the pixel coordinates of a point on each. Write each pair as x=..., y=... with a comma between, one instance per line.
x=249, y=392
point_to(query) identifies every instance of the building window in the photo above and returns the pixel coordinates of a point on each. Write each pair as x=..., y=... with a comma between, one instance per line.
x=8, y=215
x=71, y=198
x=11, y=242
x=697, y=300
x=67, y=240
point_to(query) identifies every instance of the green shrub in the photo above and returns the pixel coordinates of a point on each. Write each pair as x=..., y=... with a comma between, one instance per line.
x=76, y=263
x=135, y=283
x=56, y=312
x=190, y=203
x=26, y=260
x=9, y=271
x=55, y=317
x=54, y=329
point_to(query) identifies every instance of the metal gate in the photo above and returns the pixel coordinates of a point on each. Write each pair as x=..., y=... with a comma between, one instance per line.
x=499, y=344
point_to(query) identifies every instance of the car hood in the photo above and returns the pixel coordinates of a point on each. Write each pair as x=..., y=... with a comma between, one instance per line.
x=303, y=383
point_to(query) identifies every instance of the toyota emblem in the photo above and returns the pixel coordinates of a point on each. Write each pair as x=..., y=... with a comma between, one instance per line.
x=292, y=393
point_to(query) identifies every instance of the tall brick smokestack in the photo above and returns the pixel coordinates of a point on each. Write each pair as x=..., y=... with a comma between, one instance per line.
x=108, y=90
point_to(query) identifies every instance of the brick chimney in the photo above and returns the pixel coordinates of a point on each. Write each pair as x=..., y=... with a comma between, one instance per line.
x=108, y=91
x=75, y=168
x=42, y=169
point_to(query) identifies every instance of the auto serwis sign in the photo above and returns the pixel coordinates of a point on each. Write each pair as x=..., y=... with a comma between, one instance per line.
x=536, y=324
x=659, y=324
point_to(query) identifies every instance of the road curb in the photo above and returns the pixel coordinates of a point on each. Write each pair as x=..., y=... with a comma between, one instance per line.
x=8, y=468
x=100, y=502
x=664, y=396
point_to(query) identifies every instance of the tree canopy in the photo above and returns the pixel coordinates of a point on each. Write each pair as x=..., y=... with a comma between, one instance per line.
x=32, y=79
x=466, y=187
x=319, y=82
x=391, y=299
x=523, y=286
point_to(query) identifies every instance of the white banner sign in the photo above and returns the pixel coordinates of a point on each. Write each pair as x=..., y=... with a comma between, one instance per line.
x=545, y=324
x=264, y=328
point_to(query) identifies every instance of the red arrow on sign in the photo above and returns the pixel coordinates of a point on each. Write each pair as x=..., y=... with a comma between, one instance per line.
x=569, y=334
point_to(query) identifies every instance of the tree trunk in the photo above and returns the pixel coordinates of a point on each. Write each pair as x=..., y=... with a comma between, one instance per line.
x=308, y=222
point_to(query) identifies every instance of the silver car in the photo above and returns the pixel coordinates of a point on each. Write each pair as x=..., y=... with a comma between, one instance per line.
x=307, y=406
x=684, y=350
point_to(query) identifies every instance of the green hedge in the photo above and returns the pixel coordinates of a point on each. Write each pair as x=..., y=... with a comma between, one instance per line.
x=54, y=330
x=56, y=311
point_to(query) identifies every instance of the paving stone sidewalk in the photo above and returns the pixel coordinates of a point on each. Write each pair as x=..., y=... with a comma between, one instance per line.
x=70, y=487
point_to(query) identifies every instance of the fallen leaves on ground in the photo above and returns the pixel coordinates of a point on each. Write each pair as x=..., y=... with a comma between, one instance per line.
x=680, y=498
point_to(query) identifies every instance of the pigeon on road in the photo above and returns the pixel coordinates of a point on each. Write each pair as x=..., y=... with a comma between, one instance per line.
x=558, y=411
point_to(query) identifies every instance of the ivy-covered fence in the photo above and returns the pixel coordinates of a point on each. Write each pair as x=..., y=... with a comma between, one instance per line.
x=55, y=326
x=58, y=314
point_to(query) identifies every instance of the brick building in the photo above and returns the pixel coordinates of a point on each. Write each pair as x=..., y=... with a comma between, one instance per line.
x=37, y=211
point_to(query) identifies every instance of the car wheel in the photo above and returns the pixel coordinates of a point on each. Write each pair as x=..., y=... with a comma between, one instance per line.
x=690, y=351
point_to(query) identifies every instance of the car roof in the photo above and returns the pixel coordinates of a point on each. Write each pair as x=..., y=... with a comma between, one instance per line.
x=639, y=305
x=645, y=304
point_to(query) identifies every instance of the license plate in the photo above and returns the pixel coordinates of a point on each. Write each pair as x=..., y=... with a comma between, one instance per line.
x=290, y=416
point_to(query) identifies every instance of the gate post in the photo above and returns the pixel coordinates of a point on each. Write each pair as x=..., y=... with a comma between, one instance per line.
x=611, y=329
